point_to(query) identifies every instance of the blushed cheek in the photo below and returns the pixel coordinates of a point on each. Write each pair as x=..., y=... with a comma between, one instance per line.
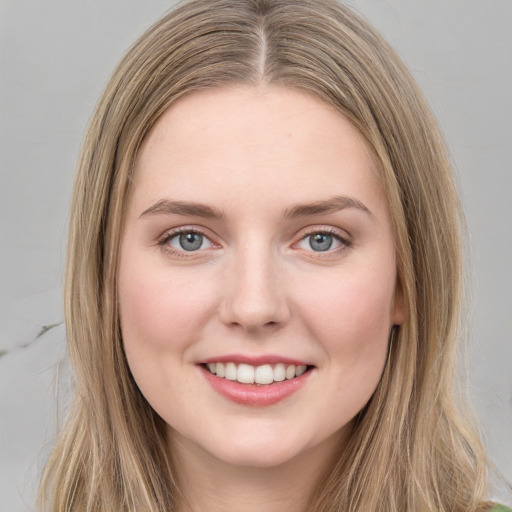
x=159, y=312
x=361, y=345
x=147, y=331
x=356, y=322
x=142, y=313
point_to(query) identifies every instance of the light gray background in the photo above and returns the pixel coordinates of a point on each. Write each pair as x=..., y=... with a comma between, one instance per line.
x=56, y=56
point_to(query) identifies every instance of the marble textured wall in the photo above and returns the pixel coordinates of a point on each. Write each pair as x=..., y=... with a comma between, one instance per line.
x=54, y=60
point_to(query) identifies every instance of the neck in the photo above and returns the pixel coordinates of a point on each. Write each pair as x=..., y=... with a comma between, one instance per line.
x=208, y=484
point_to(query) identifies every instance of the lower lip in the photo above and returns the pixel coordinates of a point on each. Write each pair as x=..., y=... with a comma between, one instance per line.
x=253, y=394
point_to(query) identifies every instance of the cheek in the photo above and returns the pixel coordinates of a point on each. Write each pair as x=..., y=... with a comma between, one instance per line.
x=352, y=326
x=158, y=310
x=144, y=314
x=352, y=305
x=351, y=319
x=159, y=321
x=143, y=324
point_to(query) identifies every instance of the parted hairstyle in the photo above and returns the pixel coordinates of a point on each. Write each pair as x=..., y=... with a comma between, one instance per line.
x=413, y=446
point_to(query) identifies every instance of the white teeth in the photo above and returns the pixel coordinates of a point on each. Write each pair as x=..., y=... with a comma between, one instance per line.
x=290, y=372
x=220, y=370
x=245, y=374
x=248, y=374
x=230, y=371
x=264, y=374
x=279, y=372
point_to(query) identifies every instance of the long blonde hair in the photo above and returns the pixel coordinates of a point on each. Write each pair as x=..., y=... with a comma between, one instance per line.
x=413, y=448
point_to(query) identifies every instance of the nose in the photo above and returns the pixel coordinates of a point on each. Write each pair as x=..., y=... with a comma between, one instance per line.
x=254, y=297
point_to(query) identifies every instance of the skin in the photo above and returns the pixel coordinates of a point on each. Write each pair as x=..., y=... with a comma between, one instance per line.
x=256, y=286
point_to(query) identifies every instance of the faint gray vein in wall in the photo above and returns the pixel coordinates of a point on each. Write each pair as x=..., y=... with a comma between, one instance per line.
x=42, y=332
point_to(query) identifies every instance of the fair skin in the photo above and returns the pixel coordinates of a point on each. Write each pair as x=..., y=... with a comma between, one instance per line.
x=286, y=257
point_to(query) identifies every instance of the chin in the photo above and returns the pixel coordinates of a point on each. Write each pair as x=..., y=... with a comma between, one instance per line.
x=261, y=448
x=256, y=456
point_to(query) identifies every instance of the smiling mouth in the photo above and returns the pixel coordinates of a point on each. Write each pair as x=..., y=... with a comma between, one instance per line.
x=262, y=375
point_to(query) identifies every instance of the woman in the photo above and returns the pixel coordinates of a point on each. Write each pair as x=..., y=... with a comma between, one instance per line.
x=264, y=277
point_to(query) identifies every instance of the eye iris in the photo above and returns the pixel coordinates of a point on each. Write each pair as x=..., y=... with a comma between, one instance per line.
x=191, y=241
x=320, y=241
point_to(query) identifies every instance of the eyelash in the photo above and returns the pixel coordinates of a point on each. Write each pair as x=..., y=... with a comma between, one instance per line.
x=345, y=242
x=168, y=236
x=163, y=243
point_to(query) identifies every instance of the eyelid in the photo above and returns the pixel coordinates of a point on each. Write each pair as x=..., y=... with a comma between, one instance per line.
x=340, y=235
x=168, y=235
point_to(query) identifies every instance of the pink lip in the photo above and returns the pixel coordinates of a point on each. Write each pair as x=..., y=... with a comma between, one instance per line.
x=253, y=394
x=254, y=360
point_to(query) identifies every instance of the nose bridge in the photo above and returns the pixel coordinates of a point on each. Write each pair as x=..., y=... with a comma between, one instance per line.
x=254, y=296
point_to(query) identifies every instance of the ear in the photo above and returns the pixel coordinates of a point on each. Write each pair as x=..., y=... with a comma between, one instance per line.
x=398, y=314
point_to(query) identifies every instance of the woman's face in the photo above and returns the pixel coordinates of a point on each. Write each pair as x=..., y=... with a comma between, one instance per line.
x=257, y=246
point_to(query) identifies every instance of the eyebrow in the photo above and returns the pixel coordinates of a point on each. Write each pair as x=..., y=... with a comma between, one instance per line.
x=168, y=207
x=331, y=205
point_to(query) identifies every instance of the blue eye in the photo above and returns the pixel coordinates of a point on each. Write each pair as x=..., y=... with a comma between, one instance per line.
x=188, y=241
x=320, y=241
x=323, y=241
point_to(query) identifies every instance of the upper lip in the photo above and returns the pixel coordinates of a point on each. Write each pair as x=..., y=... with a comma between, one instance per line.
x=255, y=360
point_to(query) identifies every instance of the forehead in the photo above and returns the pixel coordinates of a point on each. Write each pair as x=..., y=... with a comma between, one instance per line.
x=250, y=142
